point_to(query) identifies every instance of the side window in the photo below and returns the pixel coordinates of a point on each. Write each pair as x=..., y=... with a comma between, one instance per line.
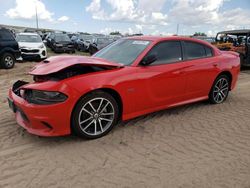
x=166, y=52
x=6, y=36
x=194, y=50
x=209, y=52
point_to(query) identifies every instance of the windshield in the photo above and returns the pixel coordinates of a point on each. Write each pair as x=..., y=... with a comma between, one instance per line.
x=29, y=38
x=123, y=51
x=62, y=38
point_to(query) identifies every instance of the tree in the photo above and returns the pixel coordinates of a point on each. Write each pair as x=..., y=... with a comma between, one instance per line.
x=115, y=33
x=200, y=34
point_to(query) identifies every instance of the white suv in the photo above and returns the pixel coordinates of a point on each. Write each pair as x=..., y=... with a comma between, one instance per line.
x=31, y=46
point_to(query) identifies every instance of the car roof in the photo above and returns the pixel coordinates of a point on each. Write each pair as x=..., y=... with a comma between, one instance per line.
x=236, y=32
x=27, y=34
x=163, y=38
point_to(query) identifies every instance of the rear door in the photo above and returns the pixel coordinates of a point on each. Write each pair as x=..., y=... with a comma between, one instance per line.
x=163, y=82
x=201, y=69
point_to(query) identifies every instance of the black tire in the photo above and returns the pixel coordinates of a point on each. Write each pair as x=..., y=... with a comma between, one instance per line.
x=7, y=61
x=90, y=130
x=218, y=94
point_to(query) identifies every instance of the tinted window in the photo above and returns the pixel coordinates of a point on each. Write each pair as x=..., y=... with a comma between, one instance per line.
x=167, y=52
x=62, y=37
x=195, y=50
x=6, y=35
x=209, y=52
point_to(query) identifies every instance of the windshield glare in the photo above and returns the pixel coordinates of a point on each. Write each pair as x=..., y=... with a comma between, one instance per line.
x=29, y=38
x=123, y=51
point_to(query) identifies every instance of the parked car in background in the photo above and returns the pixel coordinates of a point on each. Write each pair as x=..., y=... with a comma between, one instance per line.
x=60, y=42
x=74, y=39
x=31, y=46
x=9, y=49
x=129, y=78
x=83, y=42
x=98, y=43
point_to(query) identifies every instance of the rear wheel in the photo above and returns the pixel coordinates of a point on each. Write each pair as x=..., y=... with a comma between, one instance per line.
x=95, y=115
x=7, y=61
x=220, y=90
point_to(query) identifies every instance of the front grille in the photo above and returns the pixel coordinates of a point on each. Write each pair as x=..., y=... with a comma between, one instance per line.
x=29, y=51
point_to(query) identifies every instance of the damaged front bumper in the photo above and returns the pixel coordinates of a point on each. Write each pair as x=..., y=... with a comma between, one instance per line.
x=42, y=120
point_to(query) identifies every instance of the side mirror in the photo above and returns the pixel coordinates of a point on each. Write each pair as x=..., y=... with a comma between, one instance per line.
x=148, y=60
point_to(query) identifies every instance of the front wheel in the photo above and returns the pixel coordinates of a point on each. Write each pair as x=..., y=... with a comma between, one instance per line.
x=95, y=115
x=220, y=90
x=7, y=61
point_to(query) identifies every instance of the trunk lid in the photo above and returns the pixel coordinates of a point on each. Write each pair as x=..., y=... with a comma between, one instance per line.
x=58, y=63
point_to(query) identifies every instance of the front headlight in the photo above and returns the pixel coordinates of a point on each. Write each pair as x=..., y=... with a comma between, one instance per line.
x=44, y=97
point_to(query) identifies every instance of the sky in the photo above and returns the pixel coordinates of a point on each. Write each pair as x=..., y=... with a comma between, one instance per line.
x=151, y=17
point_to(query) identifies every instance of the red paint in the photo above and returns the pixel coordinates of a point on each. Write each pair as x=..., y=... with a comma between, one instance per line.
x=143, y=89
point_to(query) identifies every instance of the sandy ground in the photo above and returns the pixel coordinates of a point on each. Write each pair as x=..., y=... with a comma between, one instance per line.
x=197, y=145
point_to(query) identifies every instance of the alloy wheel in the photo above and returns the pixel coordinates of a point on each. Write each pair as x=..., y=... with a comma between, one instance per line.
x=221, y=89
x=96, y=116
x=8, y=61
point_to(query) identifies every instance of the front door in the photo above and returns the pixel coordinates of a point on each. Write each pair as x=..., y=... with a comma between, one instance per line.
x=163, y=82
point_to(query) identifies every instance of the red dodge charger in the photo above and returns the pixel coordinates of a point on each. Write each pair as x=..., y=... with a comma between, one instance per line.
x=128, y=78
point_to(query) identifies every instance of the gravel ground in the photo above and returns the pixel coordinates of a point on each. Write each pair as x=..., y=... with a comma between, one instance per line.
x=197, y=145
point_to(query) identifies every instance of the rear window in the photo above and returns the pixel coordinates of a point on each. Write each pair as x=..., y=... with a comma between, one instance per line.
x=209, y=52
x=6, y=35
x=195, y=50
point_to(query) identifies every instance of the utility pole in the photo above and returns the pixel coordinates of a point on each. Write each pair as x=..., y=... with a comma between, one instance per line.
x=177, y=29
x=36, y=19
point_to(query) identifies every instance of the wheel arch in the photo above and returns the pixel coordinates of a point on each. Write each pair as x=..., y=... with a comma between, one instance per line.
x=228, y=74
x=6, y=50
x=110, y=91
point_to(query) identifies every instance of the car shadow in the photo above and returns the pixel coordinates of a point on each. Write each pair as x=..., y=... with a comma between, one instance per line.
x=132, y=123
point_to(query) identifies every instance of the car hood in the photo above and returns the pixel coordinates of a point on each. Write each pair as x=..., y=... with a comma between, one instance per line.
x=58, y=63
x=30, y=44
